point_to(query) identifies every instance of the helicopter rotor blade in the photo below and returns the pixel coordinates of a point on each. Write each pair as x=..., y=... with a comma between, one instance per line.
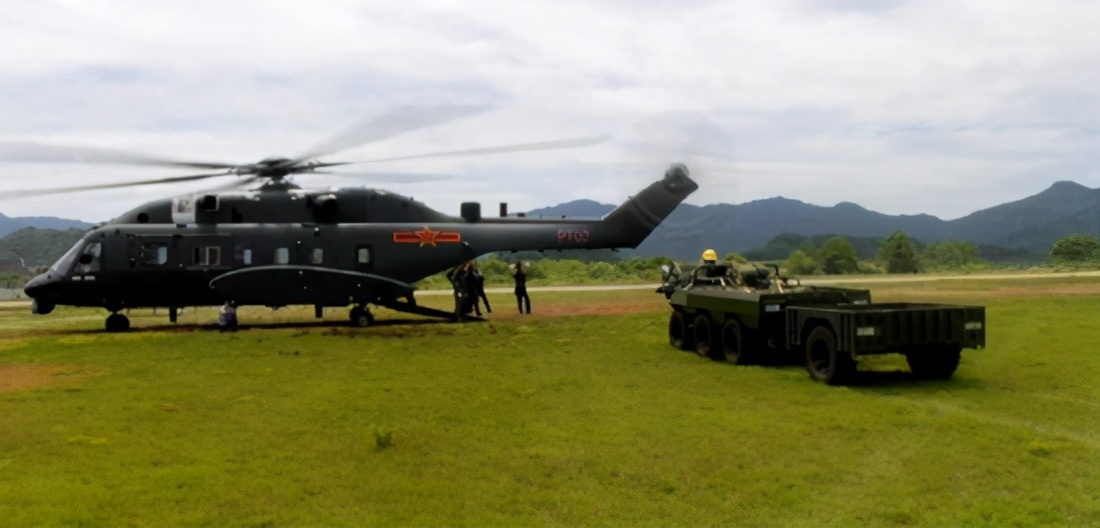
x=41, y=152
x=392, y=177
x=390, y=124
x=24, y=193
x=519, y=147
x=235, y=184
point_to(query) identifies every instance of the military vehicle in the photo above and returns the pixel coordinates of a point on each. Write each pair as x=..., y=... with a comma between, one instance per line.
x=757, y=315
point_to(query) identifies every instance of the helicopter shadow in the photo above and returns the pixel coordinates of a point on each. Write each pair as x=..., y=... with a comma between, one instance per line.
x=282, y=325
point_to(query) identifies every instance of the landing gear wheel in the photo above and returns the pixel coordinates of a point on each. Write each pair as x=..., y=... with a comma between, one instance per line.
x=117, y=322
x=360, y=316
x=935, y=362
x=732, y=350
x=824, y=362
x=678, y=335
x=704, y=336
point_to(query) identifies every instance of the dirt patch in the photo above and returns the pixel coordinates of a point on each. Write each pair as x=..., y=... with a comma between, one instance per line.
x=596, y=308
x=29, y=377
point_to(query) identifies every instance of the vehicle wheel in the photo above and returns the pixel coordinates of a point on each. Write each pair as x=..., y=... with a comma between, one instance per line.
x=678, y=335
x=934, y=362
x=703, y=330
x=117, y=322
x=823, y=361
x=361, y=317
x=732, y=350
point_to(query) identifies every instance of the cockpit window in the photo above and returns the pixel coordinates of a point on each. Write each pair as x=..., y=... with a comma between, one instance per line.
x=90, y=260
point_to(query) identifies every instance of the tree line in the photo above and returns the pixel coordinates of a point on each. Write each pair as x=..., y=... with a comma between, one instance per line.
x=899, y=253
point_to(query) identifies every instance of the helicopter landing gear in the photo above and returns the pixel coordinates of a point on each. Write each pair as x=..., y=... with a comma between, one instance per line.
x=361, y=317
x=117, y=322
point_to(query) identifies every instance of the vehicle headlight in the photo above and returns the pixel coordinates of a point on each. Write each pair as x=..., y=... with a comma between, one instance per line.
x=973, y=325
x=866, y=331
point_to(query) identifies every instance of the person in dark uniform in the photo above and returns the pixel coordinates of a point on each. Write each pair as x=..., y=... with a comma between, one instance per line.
x=479, y=291
x=457, y=276
x=521, y=287
x=469, y=282
x=227, y=317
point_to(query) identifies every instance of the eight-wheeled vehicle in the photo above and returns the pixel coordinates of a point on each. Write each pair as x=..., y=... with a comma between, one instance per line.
x=756, y=315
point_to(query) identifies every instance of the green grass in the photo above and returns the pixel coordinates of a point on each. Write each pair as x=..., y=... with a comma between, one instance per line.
x=539, y=420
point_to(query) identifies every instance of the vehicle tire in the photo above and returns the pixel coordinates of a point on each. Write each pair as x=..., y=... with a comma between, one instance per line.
x=823, y=361
x=705, y=339
x=678, y=335
x=934, y=362
x=117, y=322
x=361, y=317
x=732, y=344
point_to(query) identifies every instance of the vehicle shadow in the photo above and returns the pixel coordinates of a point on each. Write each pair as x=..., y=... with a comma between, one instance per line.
x=879, y=379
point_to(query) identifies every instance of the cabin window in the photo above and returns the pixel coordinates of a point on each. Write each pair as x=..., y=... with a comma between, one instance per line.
x=362, y=255
x=208, y=256
x=243, y=255
x=90, y=258
x=282, y=256
x=317, y=256
x=153, y=253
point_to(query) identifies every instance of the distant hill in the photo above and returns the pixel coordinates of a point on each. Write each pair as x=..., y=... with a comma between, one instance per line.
x=31, y=247
x=574, y=209
x=10, y=225
x=1017, y=231
x=1031, y=224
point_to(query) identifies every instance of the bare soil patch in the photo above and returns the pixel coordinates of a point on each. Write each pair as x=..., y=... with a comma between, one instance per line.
x=29, y=377
x=583, y=308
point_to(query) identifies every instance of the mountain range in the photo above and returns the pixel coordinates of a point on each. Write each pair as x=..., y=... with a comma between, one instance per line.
x=10, y=225
x=1025, y=227
x=1032, y=224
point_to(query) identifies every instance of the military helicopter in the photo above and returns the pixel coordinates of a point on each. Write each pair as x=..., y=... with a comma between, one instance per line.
x=280, y=245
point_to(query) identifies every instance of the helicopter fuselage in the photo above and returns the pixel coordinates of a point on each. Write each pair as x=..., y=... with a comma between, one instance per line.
x=208, y=253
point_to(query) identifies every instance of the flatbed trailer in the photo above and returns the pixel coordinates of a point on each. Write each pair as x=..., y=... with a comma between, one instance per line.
x=830, y=328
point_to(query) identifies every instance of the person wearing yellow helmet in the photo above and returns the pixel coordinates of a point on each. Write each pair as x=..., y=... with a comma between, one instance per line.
x=710, y=257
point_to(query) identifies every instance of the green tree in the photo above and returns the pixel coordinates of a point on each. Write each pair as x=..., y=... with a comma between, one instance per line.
x=1075, y=248
x=838, y=255
x=898, y=254
x=799, y=263
x=735, y=258
x=950, y=254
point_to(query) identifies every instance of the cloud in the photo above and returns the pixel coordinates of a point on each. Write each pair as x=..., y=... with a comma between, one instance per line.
x=916, y=106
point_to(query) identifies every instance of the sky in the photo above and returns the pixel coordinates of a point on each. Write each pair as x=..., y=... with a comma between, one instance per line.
x=943, y=107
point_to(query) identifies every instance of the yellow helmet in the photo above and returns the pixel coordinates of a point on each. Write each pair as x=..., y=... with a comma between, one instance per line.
x=710, y=255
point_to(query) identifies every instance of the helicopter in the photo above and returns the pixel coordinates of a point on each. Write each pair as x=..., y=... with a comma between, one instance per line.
x=279, y=244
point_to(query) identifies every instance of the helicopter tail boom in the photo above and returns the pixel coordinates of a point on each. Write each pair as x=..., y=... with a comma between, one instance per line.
x=630, y=223
x=624, y=227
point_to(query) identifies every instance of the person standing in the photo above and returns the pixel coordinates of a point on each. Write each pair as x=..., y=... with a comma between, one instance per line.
x=521, y=287
x=457, y=276
x=470, y=284
x=479, y=290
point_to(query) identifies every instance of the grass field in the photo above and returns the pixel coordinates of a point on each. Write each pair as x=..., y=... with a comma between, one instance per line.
x=580, y=414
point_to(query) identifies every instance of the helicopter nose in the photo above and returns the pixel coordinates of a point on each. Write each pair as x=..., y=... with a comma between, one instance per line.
x=40, y=285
